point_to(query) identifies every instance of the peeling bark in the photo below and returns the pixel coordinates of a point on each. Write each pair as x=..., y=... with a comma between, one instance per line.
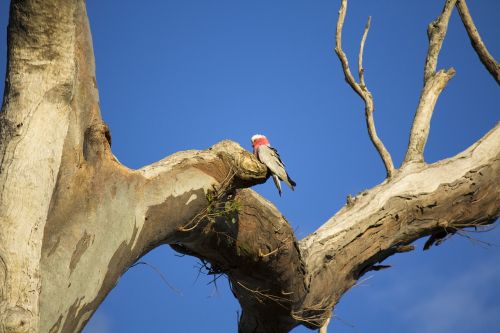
x=86, y=218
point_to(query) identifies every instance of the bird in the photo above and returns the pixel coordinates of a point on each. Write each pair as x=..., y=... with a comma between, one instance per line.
x=269, y=156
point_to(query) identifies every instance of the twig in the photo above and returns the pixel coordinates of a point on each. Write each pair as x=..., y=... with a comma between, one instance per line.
x=258, y=294
x=262, y=255
x=360, y=88
x=434, y=84
x=362, y=282
x=219, y=193
x=177, y=291
x=361, y=70
x=315, y=314
x=477, y=43
x=473, y=240
x=282, y=244
x=345, y=322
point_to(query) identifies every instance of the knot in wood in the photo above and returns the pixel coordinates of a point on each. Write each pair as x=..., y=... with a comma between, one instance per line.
x=97, y=141
x=17, y=320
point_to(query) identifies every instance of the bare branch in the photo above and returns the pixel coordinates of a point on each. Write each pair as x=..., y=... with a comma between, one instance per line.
x=486, y=58
x=421, y=123
x=434, y=84
x=361, y=70
x=340, y=53
x=436, y=33
x=418, y=202
x=94, y=217
x=360, y=88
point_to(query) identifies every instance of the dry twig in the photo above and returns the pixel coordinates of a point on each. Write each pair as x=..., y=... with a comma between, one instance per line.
x=317, y=314
x=360, y=88
x=162, y=276
x=260, y=295
x=213, y=203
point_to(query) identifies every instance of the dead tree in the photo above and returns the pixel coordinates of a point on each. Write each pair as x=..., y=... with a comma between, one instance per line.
x=73, y=219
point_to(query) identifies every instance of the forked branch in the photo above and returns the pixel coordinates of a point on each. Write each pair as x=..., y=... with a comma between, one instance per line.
x=477, y=43
x=360, y=88
x=95, y=217
x=434, y=84
x=436, y=31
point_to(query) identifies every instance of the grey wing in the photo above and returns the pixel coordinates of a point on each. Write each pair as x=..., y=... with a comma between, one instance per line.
x=271, y=159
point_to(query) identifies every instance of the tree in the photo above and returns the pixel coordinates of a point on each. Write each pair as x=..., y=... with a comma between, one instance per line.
x=87, y=218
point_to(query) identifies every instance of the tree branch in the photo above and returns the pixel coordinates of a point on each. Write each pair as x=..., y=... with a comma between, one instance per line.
x=382, y=221
x=434, y=84
x=89, y=218
x=449, y=195
x=436, y=31
x=258, y=251
x=132, y=212
x=421, y=123
x=486, y=58
x=361, y=88
x=361, y=70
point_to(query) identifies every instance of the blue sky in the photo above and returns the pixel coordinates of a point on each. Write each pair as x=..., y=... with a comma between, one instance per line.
x=177, y=75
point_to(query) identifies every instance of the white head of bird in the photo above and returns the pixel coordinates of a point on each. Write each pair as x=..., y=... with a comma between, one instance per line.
x=258, y=140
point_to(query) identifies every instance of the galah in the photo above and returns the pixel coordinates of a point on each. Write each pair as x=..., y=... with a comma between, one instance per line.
x=270, y=157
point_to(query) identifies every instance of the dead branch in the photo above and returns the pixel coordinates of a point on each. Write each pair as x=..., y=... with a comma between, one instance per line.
x=421, y=123
x=99, y=217
x=477, y=43
x=361, y=70
x=337, y=254
x=360, y=88
x=434, y=84
x=436, y=31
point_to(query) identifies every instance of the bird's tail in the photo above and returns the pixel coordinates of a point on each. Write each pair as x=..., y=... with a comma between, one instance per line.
x=277, y=183
x=290, y=182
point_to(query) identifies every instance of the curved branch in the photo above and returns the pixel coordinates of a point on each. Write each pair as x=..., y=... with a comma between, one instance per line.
x=477, y=43
x=291, y=287
x=94, y=217
x=117, y=215
x=361, y=88
x=257, y=249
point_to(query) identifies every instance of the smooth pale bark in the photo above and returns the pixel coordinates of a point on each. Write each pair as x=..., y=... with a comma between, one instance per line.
x=73, y=219
x=40, y=84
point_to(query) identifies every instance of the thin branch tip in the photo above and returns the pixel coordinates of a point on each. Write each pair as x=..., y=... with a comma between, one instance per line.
x=477, y=43
x=361, y=70
x=360, y=88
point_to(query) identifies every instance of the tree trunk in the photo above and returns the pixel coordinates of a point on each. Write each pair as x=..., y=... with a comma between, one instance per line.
x=73, y=219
